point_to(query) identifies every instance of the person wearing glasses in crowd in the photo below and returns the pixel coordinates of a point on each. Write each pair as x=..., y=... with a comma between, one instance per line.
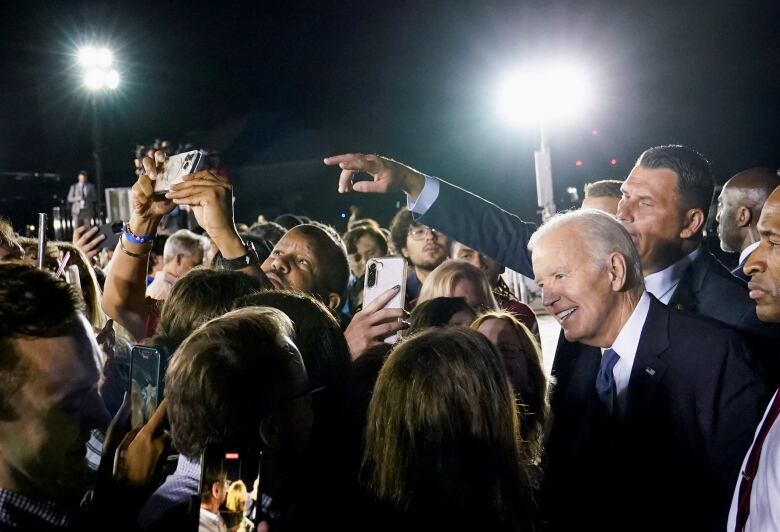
x=423, y=247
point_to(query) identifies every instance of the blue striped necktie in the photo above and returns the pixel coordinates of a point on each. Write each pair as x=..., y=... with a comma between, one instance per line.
x=605, y=381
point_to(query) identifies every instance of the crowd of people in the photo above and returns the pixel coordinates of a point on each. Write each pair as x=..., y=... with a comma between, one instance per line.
x=660, y=412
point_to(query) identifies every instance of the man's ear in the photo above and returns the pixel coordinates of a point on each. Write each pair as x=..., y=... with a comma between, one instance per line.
x=334, y=301
x=179, y=258
x=405, y=253
x=269, y=431
x=618, y=271
x=693, y=221
x=216, y=487
x=744, y=216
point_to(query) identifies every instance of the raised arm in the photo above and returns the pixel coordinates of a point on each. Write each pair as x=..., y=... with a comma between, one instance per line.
x=124, y=293
x=455, y=212
x=211, y=198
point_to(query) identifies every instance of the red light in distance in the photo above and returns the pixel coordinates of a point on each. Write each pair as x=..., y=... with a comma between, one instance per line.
x=578, y=163
x=594, y=132
x=613, y=162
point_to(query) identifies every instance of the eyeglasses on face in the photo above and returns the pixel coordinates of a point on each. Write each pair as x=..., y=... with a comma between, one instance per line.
x=421, y=232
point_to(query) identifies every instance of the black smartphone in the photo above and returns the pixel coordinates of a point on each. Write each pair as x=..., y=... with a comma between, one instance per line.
x=230, y=464
x=145, y=382
x=112, y=231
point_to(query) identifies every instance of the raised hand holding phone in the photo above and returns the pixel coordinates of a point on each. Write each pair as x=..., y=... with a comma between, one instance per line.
x=372, y=325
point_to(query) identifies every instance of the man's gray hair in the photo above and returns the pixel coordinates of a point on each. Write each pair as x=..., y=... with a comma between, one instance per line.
x=183, y=242
x=601, y=234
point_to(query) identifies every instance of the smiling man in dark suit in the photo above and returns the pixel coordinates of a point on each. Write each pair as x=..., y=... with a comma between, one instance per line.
x=665, y=200
x=651, y=425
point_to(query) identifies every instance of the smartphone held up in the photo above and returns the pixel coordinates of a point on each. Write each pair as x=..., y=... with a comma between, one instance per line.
x=176, y=167
x=382, y=274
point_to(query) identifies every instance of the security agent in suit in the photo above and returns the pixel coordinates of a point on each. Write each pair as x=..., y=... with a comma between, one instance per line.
x=739, y=208
x=754, y=507
x=83, y=199
x=654, y=408
x=665, y=198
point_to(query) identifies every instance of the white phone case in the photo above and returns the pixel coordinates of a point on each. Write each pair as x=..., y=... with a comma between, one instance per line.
x=175, y=168
x=388, y=272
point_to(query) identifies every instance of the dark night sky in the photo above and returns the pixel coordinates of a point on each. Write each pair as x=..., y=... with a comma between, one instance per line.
x=289, y=82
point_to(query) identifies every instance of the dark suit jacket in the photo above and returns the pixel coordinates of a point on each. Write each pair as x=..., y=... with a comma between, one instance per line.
x=481, y=225
x=707, y=287
x=670, y=461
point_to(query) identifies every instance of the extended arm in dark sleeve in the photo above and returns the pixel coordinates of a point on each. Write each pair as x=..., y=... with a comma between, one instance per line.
x=482, y=225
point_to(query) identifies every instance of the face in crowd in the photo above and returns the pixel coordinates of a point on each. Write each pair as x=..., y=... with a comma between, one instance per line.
x=492, y=269
x=366, y=248
x=299, y=261
x=763, y=266
x=650, y=211
x=586, y=289
x=505, y=338
x=728, y=230
x=43, y=436
x=425, y=248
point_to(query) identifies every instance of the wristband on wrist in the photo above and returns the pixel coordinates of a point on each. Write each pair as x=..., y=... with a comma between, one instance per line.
x=130, y=253
x=136, y=239
x=239, y=263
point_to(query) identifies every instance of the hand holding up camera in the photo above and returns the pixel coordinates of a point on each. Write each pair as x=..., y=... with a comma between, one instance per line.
x=211, y=199
x=146, y=204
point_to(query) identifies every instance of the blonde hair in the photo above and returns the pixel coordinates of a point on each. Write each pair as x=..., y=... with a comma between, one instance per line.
x=91, y=292
x=535, y=410
x=442, y=280
x=237, y=497
x=90, y=287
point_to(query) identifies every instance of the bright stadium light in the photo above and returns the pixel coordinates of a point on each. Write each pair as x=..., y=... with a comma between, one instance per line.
x=112, y=79
x=98, y=73
x=97, y=76
x=544, y=94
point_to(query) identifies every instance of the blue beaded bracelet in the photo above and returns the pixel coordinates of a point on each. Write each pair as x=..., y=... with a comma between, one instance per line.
x=136, y=239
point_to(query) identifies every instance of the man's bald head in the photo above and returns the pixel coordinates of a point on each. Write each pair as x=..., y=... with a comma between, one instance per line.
x=739, y=206
x=763, y=265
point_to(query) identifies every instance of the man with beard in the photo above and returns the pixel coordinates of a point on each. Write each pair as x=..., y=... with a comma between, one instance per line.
x=423, y=247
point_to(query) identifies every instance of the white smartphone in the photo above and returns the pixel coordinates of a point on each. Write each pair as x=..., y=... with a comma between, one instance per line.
x=382, y=274
x=176, y=167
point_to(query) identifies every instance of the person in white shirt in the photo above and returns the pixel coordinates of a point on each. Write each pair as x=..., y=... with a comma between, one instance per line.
x=214, y=495
x=755, y=506
x=183, y=251
x=739, y=208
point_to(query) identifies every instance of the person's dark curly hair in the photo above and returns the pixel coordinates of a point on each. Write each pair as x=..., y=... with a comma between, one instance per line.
x=399, y=229
x=352, y=236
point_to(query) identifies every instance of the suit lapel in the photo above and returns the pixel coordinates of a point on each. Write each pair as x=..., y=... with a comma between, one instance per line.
x=648, y=368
